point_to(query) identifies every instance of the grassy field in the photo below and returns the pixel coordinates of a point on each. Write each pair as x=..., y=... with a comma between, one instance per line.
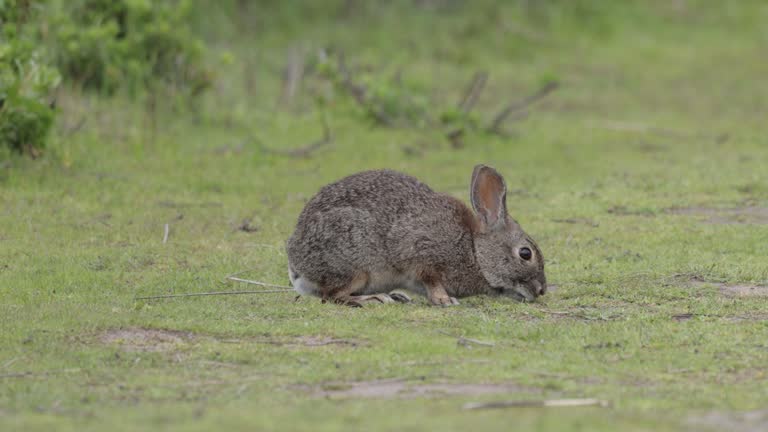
x=642, y=177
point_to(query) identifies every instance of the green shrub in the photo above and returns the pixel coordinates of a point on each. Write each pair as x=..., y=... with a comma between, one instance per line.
x=27, y=84
x=108, y=44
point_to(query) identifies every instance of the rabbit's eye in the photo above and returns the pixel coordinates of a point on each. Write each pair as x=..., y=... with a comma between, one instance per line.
x=525, y=253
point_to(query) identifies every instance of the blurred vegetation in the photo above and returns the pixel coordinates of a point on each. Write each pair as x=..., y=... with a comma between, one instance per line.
x=400, y=69
x=136, y=46
x=27, y=82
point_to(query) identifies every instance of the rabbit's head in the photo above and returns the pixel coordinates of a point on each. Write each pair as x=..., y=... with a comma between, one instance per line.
x=509, y=259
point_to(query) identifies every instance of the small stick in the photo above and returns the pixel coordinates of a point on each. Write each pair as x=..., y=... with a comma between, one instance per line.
x=473, y=91
x=264, y=284
x=468, y=341
x=303, y=152
x=166, y=230
x=521, y=104
x=464, y=341
x=215, y=293
x=237, y=273
x=555, y=312
x=536, y=403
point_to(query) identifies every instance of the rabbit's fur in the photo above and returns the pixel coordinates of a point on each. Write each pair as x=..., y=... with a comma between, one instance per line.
x=375, y=231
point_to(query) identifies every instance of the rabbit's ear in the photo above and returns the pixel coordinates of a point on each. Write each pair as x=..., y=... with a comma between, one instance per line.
x=488, y=193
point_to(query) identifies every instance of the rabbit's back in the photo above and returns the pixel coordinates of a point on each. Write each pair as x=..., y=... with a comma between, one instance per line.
x=379, y=222
x=385, y=194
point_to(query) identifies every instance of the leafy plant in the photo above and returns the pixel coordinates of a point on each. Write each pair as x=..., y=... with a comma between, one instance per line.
x=27, y=83
x=109, y=44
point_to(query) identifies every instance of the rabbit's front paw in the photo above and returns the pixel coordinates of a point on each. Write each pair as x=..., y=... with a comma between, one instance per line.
x=444, y=301
x=400, y=297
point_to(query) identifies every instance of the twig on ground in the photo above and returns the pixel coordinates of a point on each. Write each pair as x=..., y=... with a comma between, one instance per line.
x=536, y=403
x=520, y=105
x=73, y=129
x=455, y=137
x=551, y=312
x=237, y=273
x=8, y=364
x=303, y=152
x=473, y=91
x=166, y=231
x=464, y=341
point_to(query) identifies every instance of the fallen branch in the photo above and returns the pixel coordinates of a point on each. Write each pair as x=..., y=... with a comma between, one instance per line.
x=551, y=312
x=473, y=91
x=465, y=341
x=536, y=403
x=520, y=105
x=303, y=152
x=71, y=130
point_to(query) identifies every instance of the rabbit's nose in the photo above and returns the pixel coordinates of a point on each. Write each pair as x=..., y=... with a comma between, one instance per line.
x=539, y=288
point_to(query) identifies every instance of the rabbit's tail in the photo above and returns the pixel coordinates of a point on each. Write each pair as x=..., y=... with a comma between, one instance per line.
x=301, y=284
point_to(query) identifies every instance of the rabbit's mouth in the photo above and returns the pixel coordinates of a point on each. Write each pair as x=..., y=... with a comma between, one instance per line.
x=518, y=293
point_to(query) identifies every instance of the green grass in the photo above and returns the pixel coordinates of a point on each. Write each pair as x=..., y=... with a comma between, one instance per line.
x=81, y=232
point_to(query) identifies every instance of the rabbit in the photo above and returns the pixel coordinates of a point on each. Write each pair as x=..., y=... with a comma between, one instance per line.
x=362, y=237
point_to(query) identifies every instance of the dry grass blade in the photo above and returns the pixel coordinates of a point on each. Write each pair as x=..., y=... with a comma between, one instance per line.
x=166, y=231
x=553, y=403
x=214, y=293
x=293, y=75
x=264, y=284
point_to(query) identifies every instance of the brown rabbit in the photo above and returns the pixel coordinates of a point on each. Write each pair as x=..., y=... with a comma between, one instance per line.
x=372, y=232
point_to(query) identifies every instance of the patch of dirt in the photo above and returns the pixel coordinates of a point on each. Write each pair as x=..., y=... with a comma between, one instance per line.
x=624, y=211
x=750, y=421
x=741, y=215
x=576, y=220
x=744, y=290
x=307, y=341
x=145, y=340
x=313, y=341
x=735, y=290
x=403, y=389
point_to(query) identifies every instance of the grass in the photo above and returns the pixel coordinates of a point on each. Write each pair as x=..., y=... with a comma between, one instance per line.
x=658, y=108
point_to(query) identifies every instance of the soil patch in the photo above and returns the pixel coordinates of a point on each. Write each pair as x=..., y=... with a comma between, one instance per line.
x=744, y=290
x=305, y=341
x=751, y=421
x=404, y=389
x=145, y=340
x=742, y=215
x=735, y=290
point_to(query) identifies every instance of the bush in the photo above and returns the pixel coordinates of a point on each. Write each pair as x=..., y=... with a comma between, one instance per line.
x=108, y=44
x=27, y=84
